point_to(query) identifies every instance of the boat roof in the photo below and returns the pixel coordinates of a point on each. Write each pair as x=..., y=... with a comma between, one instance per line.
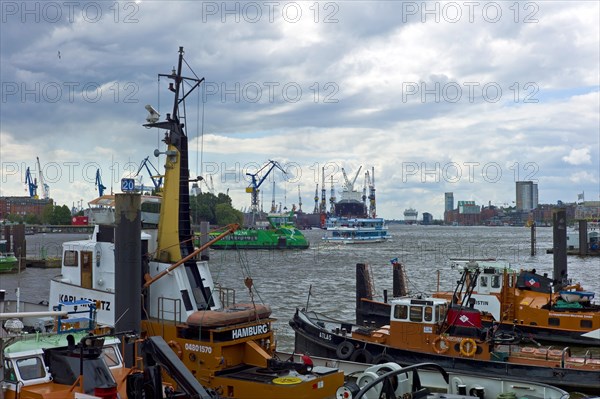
x=488, y=263
x=32, y=344
x=415, y=301
x=108, y=200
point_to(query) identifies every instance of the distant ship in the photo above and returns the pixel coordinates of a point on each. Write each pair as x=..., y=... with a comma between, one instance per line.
x=410, y=216
x=351, y=203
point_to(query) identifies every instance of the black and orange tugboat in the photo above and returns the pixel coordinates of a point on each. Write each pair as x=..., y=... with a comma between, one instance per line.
x=228, y=348
x=450, y=334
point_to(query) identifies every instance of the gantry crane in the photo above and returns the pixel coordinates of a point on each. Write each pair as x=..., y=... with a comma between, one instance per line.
x=31, y=184
x=45, y=187
x=332, y=198
x=99, y=184
x=316, y=210
x=323, y=206
x=156, y=177
x=256, y=181
x=350, y=184
x=371, y=183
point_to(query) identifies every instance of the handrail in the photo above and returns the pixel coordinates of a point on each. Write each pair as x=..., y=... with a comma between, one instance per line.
x=150, y=280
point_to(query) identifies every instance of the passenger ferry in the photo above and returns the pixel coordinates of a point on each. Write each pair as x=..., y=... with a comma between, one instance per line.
x=342, y=230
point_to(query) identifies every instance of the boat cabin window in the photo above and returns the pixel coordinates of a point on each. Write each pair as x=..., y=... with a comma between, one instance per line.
x=428, y=313
x=553, y=321
x=110, y=356
x=70, y=258
x=9, y=371
x=496, y=281
x=483, y=281
x=585, y=324
x=416, y=313
x=401, y=312
x=31, y=368
x=440, y=313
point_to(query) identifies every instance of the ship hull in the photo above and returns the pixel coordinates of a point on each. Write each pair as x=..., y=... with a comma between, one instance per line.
x=312, y=338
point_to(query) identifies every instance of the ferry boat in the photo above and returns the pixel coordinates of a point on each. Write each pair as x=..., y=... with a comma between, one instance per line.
x=8, y=261
x=449, y=333
x=227, y=346
x=341, y=230
x=281, y=233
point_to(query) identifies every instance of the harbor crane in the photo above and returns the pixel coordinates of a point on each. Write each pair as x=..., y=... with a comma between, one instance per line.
x=371, y=183
x=101, y=187
x=156, y=177
x=350, y=184
x=31, y=184
x=323, y=205
x=332, y=198
x=256, y=182
x=316, y=210
x=45, y=187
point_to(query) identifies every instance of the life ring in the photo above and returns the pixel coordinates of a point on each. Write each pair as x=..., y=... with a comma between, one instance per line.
x=468, y=347
x=344, y=350
x=362, y=356
x=174, y=345
x=440, y=345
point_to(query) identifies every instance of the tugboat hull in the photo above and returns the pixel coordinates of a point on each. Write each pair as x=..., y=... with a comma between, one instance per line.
x=317, y=340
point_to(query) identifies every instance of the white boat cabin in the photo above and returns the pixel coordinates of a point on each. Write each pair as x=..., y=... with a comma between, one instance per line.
x=425, y=311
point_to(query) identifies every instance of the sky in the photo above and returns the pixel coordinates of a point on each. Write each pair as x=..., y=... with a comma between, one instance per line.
x=434, y=97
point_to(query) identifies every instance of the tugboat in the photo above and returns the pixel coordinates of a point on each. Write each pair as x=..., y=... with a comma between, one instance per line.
x=227, y=346
x=511, y=300
x=525, y=300
x=450, y=334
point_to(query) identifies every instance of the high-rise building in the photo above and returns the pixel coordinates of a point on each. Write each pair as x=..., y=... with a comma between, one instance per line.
x=448, y=201
x=527, y=195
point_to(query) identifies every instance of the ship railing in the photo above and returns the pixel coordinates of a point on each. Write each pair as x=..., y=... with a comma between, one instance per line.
x=226, y=295
x=164, y=312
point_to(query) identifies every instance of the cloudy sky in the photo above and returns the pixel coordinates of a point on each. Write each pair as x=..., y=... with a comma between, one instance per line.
x=467, y=97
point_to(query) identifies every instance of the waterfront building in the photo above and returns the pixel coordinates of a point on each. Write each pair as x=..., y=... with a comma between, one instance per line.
x=527, y=195
x=22, y=206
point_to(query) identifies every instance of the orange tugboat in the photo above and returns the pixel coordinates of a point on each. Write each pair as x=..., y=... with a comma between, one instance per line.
x=525, y=301
x=449, y=334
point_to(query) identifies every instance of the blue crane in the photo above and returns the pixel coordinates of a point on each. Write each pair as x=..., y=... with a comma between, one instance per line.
x=256, y=182
x=99, y=184
x=31, y=184
x=156, y=177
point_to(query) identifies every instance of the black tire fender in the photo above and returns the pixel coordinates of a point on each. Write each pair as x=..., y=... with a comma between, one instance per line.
x=344, y=350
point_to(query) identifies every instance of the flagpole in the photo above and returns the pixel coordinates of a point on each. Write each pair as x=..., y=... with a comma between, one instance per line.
x=308, y=299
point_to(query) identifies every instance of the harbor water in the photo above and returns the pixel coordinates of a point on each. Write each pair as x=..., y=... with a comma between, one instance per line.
x=282, y=279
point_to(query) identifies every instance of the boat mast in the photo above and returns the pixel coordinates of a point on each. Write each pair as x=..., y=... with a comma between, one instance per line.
x=174, y=227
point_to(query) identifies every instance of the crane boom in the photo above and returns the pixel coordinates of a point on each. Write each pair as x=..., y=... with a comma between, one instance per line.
x=31, y=184
x=256, y=182
x=99, y=184
x=45, y=188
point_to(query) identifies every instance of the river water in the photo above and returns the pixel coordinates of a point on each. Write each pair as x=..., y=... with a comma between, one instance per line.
x=282, y=278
